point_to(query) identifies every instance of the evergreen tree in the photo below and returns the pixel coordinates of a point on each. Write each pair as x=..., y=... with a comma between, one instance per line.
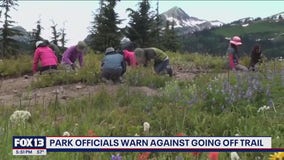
x=38, y=30
x=158, y=29
x=55, y=34
x=9, y=46
x=36, y=33
x=141, y=28
x=63, y=39
x=105, y=32
x=170, y=40
x=280, y=18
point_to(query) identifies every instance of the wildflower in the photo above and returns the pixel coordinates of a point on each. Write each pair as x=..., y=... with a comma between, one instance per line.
x=146, y=126
x=20, y=116
x=195, y=154
x=263, y=108
x=66, y=133
x=116, y=157
x=91, y=133
x=213, y=156
x=144, y=156
x=180, y=134
x=235, y=156
x=277, y=155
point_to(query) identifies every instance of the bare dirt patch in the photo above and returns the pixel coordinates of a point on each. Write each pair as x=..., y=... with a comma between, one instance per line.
x=17, y=92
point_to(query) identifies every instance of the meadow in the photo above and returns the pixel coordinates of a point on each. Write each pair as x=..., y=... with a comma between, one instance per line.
x=212, y=102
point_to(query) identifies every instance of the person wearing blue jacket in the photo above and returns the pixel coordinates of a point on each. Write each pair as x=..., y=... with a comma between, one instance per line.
x=113, y=65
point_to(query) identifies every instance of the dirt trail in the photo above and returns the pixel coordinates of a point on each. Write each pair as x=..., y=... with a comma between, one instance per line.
x=17, y=91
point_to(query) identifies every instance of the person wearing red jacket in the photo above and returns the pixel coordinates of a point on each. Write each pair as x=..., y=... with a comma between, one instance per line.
x=127, y=49
x=233, y=54
x=129, y=57
x=45, y=56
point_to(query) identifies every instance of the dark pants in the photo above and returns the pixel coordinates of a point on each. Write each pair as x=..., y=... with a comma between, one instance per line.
x=112, y=74
x=163, y=67
x=45, y=68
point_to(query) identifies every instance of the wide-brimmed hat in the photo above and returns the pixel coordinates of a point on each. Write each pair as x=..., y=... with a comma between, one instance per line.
x=109, y=49
x=236, y=40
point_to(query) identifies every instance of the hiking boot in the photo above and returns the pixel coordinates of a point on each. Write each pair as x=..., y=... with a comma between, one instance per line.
x=170, y=71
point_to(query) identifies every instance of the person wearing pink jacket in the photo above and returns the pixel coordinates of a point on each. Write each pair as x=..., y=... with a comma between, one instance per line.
x=129, y=57
x=233, y=55
x=127, y=48
x=45, y=56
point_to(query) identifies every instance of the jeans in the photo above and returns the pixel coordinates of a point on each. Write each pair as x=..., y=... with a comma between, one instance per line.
x=112, y=74
x=163, y=67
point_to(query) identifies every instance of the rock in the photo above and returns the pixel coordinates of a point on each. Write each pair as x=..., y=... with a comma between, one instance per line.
x=56, y=91
x=78, y=87
x=26, y=76
x=64, y=97
x=15, y=91
x=61, y=89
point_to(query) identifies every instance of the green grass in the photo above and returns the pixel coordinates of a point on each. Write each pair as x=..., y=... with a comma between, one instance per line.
x=88, y=74
x=179, y=107
x=263, y=28
x=199, y=62
x=15, y=67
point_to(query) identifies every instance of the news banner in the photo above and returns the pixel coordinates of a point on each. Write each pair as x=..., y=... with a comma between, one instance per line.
x=40, y=145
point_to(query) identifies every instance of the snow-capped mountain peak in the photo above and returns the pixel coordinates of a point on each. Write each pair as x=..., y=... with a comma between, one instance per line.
x=180, y=19
x=243, y=21
x=217, y=23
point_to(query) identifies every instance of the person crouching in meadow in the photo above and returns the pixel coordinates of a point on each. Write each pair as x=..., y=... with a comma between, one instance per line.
x=161, y=59
x=72, y=54
x=113, y=66
x=255, y=58
x=127, y=48
x=55, y=49
x=233, y=54
x=46, y=56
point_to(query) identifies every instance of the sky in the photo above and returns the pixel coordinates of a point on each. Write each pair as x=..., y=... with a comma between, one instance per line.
x=76, y=16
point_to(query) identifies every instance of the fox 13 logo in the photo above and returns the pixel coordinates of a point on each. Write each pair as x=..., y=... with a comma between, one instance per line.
x=29, y=142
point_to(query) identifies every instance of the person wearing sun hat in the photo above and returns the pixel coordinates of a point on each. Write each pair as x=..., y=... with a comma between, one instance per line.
x=72, y=54
x=233, y=54
x=113, y=66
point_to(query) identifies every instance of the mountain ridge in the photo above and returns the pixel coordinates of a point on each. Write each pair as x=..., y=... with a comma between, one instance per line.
x=189, y=24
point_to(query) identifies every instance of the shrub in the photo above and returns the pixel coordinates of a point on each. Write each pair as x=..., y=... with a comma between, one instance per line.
x=15, y=67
